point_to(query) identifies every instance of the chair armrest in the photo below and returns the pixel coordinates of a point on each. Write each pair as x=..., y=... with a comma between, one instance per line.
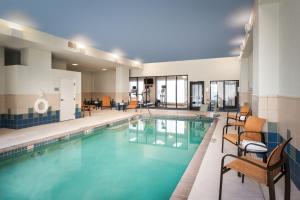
x=243, y=159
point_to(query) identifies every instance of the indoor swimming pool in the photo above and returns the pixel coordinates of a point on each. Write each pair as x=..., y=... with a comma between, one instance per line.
x=140, y=159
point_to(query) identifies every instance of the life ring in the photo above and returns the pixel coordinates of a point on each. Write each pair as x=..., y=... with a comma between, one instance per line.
x=41, y=106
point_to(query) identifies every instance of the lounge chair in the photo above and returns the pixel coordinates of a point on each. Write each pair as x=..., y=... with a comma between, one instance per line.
x=252, y=131
x=133, y=105
x=106, y=102
x=265, y=173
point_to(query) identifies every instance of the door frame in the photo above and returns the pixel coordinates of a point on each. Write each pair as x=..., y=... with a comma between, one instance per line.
x=191, y=88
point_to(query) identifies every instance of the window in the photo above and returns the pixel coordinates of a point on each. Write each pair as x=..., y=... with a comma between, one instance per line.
x=12, y=57
x=171, y=92
x=166, y=91
x=141, y=90
x=182, y=101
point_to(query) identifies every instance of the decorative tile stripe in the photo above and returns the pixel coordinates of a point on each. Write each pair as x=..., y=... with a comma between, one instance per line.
x=273, y=139
x=30, y=119
x=18, y=121
x=29, y=148
x=77, y=112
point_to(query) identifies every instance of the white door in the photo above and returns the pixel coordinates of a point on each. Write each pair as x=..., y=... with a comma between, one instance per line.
x=67, y=99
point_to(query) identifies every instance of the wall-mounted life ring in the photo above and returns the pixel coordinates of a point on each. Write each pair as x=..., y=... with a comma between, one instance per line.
x=41, y=106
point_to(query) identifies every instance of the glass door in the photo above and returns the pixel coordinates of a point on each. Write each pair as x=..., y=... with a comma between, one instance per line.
x=182, y=92
x=220, y=98
x=196, y=94
x=161, y=92
x=231, y=94
x=171, y=92
x=223, y=95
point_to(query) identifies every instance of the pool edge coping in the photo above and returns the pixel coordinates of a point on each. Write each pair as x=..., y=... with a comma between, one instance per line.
x=184, y=186
x=14, y=150
x=24, y=146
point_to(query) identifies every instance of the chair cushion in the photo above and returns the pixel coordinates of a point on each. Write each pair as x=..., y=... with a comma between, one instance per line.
x=254, y=148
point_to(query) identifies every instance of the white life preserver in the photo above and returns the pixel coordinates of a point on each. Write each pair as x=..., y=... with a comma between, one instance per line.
x=41, y=106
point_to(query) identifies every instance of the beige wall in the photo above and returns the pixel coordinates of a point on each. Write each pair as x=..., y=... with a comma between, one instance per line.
x=197, y=70
x=24, y=84
x=36, y=58
x=98, y=84
x=289, y=59
x=105, y=84
x=276, y=85
x=87, y=86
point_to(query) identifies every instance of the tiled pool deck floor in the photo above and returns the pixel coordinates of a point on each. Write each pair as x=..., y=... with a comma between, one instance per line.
x=207, y=180
x=206, y=185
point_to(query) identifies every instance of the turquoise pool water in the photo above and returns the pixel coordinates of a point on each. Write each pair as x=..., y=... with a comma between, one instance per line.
x=143, y=159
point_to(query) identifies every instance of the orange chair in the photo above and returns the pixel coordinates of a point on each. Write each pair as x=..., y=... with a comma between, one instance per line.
x=252, y=131
x=133, y=104
x=239, y=116
x=267, y=174
x=106, y=102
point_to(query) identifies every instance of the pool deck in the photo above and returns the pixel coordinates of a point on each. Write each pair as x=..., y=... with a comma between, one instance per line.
x=205, y=179
x=206, y=185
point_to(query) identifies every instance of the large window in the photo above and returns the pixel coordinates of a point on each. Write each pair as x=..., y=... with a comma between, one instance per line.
x=171, y=92
x=161, y=91
x=182, y=101
x=141, y=87
x=166, y=91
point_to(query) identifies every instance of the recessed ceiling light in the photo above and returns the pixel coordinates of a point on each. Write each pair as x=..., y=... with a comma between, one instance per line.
x=74, y=64
x=137, y=61
x=103, y=69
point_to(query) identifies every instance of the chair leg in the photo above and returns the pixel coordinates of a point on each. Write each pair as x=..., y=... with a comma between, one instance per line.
x=227, y=126
x=287, y=180
x=271, y=186
x=243, y=178
x=239, y=154
x=222, y=149
x=221, y=180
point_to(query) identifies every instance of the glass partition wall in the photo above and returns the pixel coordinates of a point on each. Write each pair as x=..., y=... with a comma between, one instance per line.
x=224, y=94
x=165, y=92
x=182, y=92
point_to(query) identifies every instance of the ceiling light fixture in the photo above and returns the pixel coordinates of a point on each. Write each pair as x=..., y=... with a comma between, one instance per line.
x=80, y=45
x=15, y=26
x=74, y=64
x=103, y=69
x=117, y=54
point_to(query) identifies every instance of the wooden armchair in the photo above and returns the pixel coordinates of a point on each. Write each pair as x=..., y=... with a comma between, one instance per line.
x=252, y=131
x=267, y=174
x=239, y=116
